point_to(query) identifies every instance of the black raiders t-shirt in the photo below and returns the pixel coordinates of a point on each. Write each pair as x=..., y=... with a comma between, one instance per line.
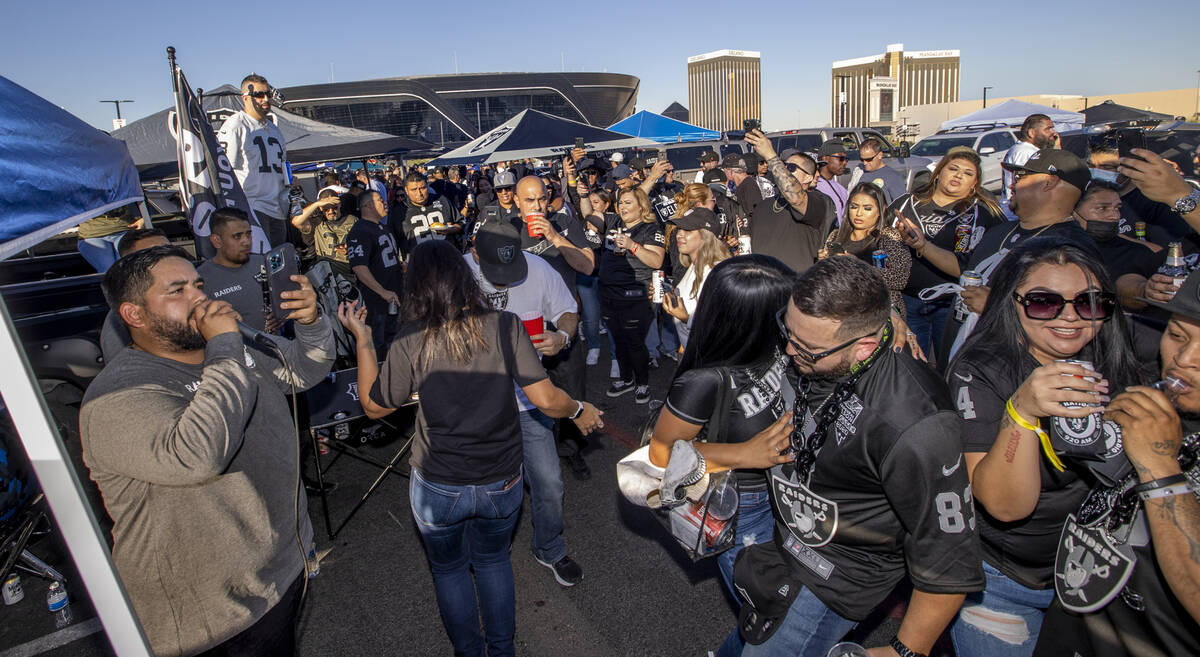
x=464, y=439
x=540, y=246
x=1023, y=549
x=779, y=231
x=749, y=195
x=1125, y=255
x=996, y=243
x=941, y=227
x=370, y=245
x=412, y=224
x=625, y=276
x=889, y=496
x=759, y=395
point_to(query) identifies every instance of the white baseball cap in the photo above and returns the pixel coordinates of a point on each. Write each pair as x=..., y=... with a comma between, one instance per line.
x=617, y=157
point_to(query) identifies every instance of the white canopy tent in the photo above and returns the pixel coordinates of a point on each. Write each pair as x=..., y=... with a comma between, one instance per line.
x=1013, y=113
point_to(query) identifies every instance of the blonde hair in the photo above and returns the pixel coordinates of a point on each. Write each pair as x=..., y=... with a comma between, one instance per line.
x=692, y=195
x=643, y=202
x=712, y=250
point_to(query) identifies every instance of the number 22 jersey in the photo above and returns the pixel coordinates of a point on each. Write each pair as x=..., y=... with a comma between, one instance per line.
x=411, y=224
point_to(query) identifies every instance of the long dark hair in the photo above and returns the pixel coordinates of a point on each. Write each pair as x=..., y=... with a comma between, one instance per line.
x=961, y=153
x=734, y=324
x=885, y=215
x=999, y=336
x=443, y=301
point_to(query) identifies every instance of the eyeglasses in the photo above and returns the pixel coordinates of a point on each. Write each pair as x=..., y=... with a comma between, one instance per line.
x=807, y=355
x=1043, y=306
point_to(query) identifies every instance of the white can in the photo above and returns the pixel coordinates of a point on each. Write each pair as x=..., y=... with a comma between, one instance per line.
x=743, y=244
x=13, y=593
x=656, y=291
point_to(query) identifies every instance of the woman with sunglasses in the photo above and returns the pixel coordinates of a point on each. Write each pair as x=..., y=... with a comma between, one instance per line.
x=1020, y=375
x=867, y=229
x=745, y=288
x=942, y=224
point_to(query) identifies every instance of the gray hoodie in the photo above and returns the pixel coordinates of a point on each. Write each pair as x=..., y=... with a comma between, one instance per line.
x=199, y=469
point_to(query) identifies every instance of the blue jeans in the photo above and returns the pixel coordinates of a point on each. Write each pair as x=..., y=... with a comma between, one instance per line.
x=755, y=524
x=662, y=334
x=810, y=629
x=927, y=320
x=544, y=476
x=589, y=307
x=100, y=252
x=465, y=528
x=1002, y=620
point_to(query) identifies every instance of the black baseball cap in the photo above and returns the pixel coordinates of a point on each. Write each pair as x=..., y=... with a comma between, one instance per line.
x=733, y=161
x=695, y=219
x=762, y=577
x=709, y=156
x=714, y=176
x=831, y=147
x=637, y=163
x=1186, y=301
x=498, y=245
x=1056, y=162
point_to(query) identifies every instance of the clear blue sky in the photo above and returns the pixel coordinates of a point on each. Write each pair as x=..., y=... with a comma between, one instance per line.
x=76, y=53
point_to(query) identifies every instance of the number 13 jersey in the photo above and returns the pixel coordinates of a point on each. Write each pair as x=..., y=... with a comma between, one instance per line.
x=257, y=152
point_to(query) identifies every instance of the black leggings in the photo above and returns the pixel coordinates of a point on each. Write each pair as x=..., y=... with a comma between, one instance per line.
x=629, y=321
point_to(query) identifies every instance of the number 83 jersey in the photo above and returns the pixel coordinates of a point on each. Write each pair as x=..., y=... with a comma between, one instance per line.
x=888, y=496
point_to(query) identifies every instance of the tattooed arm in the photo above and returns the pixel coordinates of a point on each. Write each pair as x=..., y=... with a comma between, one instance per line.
x=1152, y=435
x=789, y=188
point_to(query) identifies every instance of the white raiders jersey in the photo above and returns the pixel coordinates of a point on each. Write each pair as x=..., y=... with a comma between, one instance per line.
x=257, y=152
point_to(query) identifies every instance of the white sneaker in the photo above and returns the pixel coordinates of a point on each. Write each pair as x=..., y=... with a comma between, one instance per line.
x=614, y=372
x=593, y=356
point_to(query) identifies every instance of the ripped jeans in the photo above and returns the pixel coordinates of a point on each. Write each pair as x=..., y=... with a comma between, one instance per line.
x=755, y=524
x=1003, y=620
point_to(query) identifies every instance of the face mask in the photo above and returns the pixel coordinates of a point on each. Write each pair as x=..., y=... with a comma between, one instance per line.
x=1105, y=175
x=1102, y=231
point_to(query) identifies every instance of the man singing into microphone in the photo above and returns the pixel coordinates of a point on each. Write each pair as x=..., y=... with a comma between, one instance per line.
x=189, y=437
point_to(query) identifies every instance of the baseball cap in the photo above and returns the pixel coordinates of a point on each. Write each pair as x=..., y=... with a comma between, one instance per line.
x=709, y=156
x=498, y=245
x=1064, y=164
x=734, y=161
x=504, y=179
x=714, y=176
x=695, y=219
x=621, y=171
x=788, y=152
x=637, y=163
x=831, y=147
x=763, y=578
x=617, y=157
x=1186, y=301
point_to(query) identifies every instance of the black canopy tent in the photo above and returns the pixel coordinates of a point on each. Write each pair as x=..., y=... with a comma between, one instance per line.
x=1110, y=112
x=153, y=148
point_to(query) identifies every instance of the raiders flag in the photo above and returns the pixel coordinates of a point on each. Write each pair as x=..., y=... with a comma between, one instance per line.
x=206, y=179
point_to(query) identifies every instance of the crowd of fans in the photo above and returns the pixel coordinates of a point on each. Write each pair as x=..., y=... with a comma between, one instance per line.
x=926, y=389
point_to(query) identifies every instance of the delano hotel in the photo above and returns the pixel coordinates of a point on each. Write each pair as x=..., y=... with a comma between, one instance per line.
x=869, y=91
x=724, y=89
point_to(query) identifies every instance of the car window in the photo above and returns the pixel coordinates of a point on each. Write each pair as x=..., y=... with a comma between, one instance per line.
x=938, y=145
x=782, y=143
x=849, y=140
x=726, y=149
x=1006, y=140
x=687, y=157
x=808, y=143
x=994, y=141
x=887, y=146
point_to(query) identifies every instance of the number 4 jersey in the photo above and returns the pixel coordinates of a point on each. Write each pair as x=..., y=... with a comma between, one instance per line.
x=257, y=152
x=888, y=497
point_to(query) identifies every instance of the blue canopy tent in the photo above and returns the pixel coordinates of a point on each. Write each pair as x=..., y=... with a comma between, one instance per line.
x=61, y=171
x=661, y=129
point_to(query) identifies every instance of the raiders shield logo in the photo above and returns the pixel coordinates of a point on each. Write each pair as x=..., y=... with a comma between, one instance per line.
x=810, y=518
x=1089, y=569
x=1079, y=431
x=506, y=253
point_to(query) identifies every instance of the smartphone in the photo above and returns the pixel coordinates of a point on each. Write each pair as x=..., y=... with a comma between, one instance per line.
x=282, y=264
x=579, y=142
x=668, y=285
x=662, y=155
x=1129, y=139
x=751, y=124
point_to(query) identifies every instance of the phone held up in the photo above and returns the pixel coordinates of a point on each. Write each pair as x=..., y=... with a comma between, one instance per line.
x=1129, y=139
x=282, y=264
x=751, y=124
x=579, y=141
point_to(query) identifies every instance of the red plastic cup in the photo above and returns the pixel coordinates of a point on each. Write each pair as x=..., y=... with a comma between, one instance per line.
x=533, y=232
x=534, y=324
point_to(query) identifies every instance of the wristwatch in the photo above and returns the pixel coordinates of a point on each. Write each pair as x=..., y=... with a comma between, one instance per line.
x=578, y=411
x=1188, y=203
x=566, y=338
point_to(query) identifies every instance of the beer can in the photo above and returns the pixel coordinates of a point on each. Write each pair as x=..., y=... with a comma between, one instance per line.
x=970, y=278
x=13, y=593
x=1139, y=230
x=656, y=291
x=1085, y=364
x=962, y=237
x=879, y=259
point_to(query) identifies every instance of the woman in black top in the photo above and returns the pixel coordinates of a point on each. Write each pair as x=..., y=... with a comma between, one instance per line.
x=867, y=228
x=465, y=490
x=634, y=246
x=942, y=224
x=1049, y=303
x=733, y=343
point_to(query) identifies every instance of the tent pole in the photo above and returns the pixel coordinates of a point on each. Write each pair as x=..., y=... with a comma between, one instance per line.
x=145, y=212
x=36, y=429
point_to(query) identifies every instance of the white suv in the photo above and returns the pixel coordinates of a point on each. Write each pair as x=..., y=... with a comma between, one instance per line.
x=991, y=142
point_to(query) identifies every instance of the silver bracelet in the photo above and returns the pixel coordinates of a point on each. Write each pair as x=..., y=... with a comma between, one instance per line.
x=1166, y=491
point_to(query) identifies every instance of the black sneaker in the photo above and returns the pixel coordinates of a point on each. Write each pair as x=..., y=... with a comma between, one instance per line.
x=619, y=388
x=579, y=467
x=642, y=395
x=653, y=363
x=566, y=571
x=671, y=355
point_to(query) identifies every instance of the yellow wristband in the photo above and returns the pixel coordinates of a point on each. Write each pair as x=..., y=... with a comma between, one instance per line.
x=1036, y=428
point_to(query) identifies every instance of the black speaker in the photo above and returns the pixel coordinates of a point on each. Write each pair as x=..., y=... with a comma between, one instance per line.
x=335, y=400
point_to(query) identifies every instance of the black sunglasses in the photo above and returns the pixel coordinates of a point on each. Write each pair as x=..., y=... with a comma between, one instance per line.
x=807, y=355
x=257, y=94
x=1097, y=306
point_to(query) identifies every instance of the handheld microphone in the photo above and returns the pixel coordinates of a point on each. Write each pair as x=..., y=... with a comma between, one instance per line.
x=254, y=335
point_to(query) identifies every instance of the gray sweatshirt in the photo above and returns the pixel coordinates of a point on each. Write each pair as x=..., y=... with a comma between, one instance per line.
x=198, y=467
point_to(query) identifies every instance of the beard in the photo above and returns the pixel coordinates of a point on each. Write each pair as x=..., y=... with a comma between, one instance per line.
x=179, y=336
x=836, y=371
